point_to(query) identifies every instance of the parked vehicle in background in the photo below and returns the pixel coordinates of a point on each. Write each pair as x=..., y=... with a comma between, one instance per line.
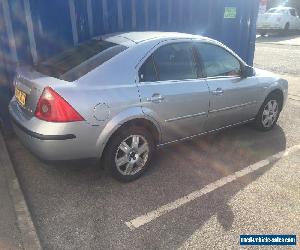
x=280, y=19
x=120, y=96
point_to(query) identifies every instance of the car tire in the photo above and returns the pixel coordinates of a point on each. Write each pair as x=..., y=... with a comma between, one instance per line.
x=129, y=152
x=286, y=29
x=263, y=33
x=268, y=113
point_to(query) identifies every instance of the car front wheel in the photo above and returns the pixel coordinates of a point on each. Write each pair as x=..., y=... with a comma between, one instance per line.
x=286, y=29
x=268, y=113
x=129, y=153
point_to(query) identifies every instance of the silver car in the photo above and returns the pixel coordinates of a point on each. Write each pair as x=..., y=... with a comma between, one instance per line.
x=119, y=96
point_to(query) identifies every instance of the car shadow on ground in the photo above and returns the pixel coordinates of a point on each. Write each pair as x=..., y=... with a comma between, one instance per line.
x=79, y=194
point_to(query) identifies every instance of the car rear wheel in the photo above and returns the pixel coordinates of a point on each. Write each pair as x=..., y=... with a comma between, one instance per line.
x=286, y=29
x=129, y=153
x=268, y=113
x=263, y=33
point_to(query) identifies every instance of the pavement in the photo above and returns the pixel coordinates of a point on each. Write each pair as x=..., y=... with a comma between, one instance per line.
x=279, y=54
x=17, y=230
x=200, y=194
x=10, y=237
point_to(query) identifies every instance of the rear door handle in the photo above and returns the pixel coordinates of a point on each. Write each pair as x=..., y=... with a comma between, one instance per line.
x=218, y=91
x=156, y=98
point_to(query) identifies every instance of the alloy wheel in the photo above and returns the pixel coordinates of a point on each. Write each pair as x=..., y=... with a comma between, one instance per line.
x=132, y=155
x=270, y=113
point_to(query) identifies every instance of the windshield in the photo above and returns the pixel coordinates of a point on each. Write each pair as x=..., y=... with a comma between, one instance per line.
x=83, y=58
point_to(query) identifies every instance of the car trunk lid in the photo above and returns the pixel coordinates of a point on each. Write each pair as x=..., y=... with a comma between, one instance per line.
x=30, y=84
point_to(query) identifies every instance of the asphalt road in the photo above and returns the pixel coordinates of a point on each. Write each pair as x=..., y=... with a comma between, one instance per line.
x=75, y=205
x=278, y=54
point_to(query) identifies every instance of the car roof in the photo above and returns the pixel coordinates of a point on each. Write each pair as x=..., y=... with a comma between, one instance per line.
x=130, y=39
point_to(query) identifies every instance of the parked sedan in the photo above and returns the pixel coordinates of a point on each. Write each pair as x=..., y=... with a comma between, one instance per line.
x=280, y=19
x=118, y=97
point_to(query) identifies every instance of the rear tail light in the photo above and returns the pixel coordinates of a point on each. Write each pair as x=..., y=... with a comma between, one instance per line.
x=52, y=107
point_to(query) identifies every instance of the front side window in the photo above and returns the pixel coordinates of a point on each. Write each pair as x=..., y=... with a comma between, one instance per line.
x=217, y=61
x=175, y=62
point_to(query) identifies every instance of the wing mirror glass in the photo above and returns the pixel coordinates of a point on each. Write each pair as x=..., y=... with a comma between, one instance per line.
x=248, y=71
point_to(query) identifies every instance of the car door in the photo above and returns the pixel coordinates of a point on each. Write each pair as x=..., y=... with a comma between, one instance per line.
x=296, y=19
x=233, y=99
x=171, y=92
x=293, y=18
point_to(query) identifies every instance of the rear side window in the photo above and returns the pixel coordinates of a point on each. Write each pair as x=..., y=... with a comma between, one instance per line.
x=147, y=72
x=217, y=61
x=175, y=62
x=73, y=63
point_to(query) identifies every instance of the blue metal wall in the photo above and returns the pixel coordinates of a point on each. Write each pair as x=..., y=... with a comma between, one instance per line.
x=31, y=30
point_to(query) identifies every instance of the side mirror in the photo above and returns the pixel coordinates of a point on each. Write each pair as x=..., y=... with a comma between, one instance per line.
x=248, y=71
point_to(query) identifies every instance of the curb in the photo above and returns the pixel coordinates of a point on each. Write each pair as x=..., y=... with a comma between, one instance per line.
x=27, y=229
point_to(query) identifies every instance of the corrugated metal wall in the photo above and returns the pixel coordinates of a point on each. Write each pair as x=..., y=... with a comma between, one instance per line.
x=31, y=30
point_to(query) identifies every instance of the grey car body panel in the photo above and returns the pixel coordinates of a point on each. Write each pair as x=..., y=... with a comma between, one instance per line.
x=239, y=101
x=271, y=82
x=111, y=95
x=119, y=120
x=183, y=110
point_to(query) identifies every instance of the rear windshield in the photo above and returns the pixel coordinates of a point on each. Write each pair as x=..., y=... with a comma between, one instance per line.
x=73, y=63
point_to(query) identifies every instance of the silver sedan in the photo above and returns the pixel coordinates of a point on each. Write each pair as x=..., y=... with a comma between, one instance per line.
x=119, y=96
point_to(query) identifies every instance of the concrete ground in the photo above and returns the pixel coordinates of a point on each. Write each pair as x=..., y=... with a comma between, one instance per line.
x=17, y=230
x=10, y=237
x=75, y=205
x=279, y=54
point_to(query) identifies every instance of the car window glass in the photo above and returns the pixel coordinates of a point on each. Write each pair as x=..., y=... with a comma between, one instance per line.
x=73, y=63
x=147, y=72
x=273, y=10
x=293, y=12
x=279, y=11
x=175, y=62
x=217, y=61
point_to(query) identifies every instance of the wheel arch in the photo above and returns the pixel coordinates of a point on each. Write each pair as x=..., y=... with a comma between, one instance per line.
x=278, y=92
x=121, y=121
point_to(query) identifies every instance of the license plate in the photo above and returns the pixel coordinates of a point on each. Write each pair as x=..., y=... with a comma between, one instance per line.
x=21, y=96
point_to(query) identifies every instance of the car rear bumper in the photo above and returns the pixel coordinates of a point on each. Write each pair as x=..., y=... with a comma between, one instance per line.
x=50, y=141
x=41, y=136
x=264, y=28
x=269, y=26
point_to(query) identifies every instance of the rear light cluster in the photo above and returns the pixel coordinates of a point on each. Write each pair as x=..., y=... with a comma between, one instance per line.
x=52, y=107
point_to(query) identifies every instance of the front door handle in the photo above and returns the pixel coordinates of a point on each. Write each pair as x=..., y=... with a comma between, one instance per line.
x=156, y=98
x=218, y=91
